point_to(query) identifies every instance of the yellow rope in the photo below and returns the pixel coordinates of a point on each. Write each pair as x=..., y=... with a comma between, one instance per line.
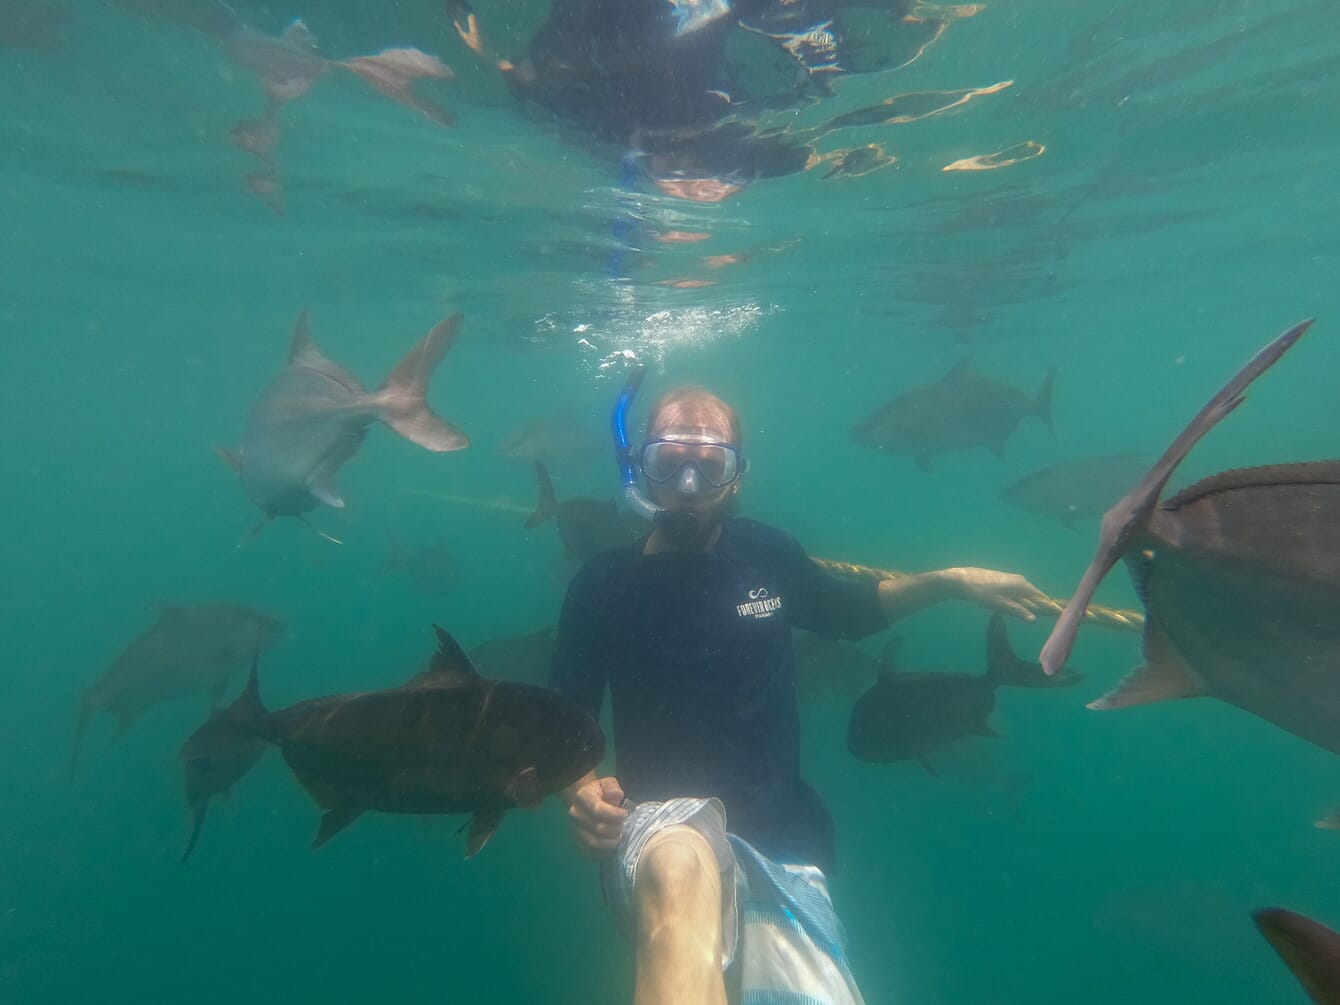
x=1107, y=617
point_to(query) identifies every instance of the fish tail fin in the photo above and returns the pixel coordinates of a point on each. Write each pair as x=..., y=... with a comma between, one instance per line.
x=80, y=729
x=198, y=809
x=1005, y=668
x=547, y=506
x=401, y=403
x=1042, y=401
x=247, y=712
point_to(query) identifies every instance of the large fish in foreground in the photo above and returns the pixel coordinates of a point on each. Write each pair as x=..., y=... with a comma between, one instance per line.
x=959, y=412
x=189, y=649
x=907, y=716
x=313, y=417
x=1308, y=948
x=449, y=741
x=1240, y=577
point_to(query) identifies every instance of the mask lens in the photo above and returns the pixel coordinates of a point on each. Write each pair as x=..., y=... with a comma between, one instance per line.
x=718, y=463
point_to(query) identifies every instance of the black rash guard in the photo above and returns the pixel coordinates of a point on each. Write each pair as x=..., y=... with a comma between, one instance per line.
x=696, y=652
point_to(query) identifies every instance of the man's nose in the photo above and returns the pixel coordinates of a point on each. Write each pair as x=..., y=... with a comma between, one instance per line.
x=688, y=483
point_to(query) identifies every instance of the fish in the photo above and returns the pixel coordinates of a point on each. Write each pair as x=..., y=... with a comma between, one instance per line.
x=557, y=440
x=586, y=526
x=825, y=668
x=312, y=418
x=857, y=161
x=431, y=569
x=288, y=64
x=30, y=24
x=1308, y=948
x=189, y=649
x=213, y=759
x=1240, y=579
x=1075, y=490
x=959, y=412
x=517, y=657
x=447, y=742
x=907, y=716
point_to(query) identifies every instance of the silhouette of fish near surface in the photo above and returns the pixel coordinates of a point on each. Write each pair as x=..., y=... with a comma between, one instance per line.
x=189, y=649
x=431, y=569
x=1240, y=578
x=1308, y=948
x=907, y=716
x=586, y=526
x=312, y=418
x=961, y=411
x=213, y=759
x=517, y=657
x=449, y=741
x=825, y=668
x=1076, y=490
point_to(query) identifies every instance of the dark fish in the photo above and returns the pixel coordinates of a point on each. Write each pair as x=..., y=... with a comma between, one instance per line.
x=906, y=716
x=313, y=417
x=190, y=649
x=29, y=24
x=1240, y=578
x=956, y=413
x=521, y=657
x=431, y=569
x=449, y=741
x=213, y=759
x=1075, y=490
x=858, y=161
x=1308, y=948
x=825, y=668
x=586, y=527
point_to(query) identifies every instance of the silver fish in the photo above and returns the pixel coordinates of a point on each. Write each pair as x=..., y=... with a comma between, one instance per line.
x=1075, y=490
x=313, y=417
x=1240, y=576
x=189, y=649
x=959, y=412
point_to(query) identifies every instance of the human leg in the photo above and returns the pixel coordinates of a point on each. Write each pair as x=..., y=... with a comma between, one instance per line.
x=677, y=899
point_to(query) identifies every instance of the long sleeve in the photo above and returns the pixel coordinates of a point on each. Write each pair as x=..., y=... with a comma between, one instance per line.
x=580, y=668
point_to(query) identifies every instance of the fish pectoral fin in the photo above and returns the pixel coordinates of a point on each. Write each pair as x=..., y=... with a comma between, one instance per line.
x=197, y=822
x=322, y=487
x=524, y=789
x=317, y=531
x=335, y=820
x=230, y=457
x=482, y=826
x=1163, y=676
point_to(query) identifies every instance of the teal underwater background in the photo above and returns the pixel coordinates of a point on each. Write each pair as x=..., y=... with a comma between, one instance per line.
x=1182, y=211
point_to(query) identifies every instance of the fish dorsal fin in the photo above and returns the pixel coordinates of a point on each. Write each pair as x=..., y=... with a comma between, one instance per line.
x=888, y=667
x=299, y=35
x=1163, y=676
x=450, y=662
x=1129, y=516
x=302, y=351
x=959, y=372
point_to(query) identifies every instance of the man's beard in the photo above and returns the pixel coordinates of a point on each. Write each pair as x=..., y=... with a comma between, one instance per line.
x=692, y=529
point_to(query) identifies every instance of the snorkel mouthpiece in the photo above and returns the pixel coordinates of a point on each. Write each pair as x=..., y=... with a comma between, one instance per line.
x=637, y=503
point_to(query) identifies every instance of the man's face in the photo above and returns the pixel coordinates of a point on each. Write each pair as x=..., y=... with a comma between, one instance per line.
x=692, y=472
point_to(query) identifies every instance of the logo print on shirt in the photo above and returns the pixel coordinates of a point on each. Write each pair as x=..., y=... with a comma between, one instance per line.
x=760, y=605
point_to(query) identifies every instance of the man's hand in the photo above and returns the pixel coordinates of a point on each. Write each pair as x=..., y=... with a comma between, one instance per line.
x=597, y=815
x=998, y=591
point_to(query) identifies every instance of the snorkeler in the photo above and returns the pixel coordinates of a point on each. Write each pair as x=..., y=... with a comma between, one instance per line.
x=690, y=629
x=671, y=84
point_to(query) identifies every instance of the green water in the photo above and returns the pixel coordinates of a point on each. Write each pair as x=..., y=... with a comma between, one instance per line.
x=1182, y=213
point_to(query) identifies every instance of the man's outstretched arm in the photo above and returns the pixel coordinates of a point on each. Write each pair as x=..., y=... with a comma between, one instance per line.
x=1004, y=592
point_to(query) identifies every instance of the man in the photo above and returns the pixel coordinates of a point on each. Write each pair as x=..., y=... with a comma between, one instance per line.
x=721, y=846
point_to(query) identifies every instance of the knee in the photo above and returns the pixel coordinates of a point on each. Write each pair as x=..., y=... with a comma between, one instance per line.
x=678, y=866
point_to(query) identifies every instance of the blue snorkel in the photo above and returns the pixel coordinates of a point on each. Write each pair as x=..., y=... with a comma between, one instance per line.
x=624, y=456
